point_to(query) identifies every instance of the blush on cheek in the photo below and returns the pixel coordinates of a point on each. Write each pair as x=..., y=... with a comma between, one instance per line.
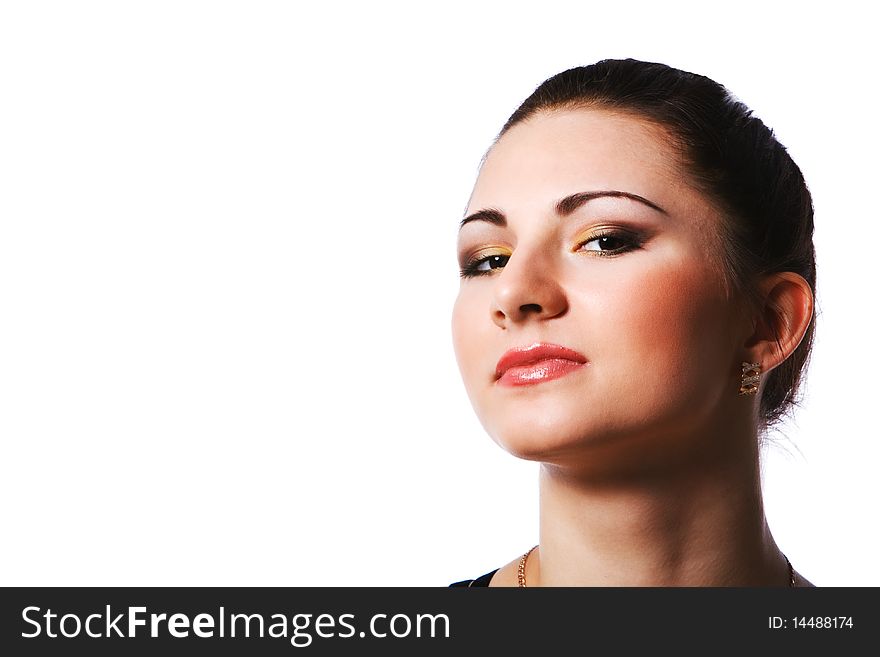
x=669, y=314
x=686, y=289
x=688, y=323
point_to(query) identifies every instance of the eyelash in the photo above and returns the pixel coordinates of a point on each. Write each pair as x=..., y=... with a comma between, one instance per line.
x=630, y=243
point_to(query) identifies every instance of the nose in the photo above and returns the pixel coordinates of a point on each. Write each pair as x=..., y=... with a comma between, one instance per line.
x=527, y=289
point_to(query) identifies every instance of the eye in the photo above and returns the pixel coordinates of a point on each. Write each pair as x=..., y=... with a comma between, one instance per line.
x=483, y=266
x=609, y=244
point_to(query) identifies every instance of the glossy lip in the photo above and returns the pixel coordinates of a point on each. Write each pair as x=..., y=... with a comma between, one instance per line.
x=535, y=354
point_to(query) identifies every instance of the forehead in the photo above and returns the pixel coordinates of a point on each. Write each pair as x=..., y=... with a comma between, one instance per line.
x=554, y=153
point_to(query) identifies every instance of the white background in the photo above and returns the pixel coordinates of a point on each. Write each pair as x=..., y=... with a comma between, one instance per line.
x=227, y=266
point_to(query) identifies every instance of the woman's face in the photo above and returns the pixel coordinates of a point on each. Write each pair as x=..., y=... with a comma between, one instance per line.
x=625, y=278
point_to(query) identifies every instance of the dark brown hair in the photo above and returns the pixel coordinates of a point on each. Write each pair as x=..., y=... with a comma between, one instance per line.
x=733, y=158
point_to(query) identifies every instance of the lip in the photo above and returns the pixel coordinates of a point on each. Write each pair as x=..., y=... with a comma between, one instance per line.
x=537, y=363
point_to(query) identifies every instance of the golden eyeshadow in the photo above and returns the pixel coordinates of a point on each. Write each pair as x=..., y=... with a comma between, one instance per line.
x=489, y=251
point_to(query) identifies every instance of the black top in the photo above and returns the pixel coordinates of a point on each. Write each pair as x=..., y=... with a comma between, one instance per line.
x=482, y=580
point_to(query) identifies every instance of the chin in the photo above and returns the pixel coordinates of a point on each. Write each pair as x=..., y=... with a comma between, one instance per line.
x=593, y=436
x=541, y=436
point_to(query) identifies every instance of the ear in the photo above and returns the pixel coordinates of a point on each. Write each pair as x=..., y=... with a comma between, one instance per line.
x=782, y=321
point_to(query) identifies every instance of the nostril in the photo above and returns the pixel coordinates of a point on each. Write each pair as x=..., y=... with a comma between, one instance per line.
x=530, y=308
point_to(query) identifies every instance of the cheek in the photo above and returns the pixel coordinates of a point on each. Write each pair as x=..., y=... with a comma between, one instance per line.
x=668, y=326
x=468, y=324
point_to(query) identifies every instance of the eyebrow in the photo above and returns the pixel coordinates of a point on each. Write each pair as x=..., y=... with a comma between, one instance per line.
x=564, y=207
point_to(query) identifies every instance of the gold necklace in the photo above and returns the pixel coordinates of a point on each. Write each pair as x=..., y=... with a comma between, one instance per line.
x=521, y=571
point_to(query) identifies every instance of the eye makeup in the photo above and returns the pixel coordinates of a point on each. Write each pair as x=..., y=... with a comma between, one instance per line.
x=605, y=242
x=484, y=262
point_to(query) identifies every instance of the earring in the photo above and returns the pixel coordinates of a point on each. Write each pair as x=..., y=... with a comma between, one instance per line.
x=751, y=376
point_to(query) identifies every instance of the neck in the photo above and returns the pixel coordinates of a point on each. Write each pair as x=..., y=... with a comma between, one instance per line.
x=697, y=520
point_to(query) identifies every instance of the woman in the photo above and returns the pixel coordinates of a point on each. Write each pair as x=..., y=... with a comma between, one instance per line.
x=635, y=310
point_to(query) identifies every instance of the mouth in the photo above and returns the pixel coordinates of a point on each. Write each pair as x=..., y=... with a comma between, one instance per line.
x=537, y=363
